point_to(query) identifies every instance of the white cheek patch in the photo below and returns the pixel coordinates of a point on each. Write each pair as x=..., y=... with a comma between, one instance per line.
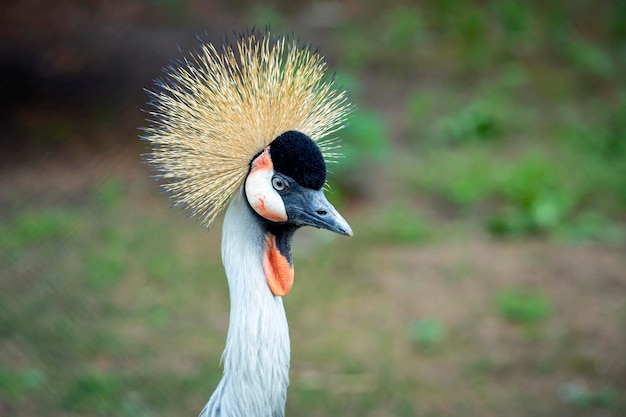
x=263, y=198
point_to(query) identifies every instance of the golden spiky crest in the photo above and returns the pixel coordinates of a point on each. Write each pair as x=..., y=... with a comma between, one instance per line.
x=216, y=110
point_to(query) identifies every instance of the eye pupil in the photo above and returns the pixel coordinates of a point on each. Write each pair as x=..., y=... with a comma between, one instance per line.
x=278, y=184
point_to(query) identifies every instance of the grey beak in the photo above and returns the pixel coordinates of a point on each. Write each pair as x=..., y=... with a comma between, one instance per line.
x=311, y=208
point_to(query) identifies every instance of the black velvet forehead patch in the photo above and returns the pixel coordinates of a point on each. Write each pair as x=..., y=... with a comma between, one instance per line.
x=297, y=156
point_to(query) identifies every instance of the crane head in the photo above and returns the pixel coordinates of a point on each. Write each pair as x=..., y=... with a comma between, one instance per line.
x=285, y=188
x=285, y=185
x=246, y=113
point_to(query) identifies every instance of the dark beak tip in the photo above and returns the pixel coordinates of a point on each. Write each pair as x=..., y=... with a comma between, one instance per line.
x=347, y=232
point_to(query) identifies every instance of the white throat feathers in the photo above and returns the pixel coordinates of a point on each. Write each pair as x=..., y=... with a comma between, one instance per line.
x=257, y=354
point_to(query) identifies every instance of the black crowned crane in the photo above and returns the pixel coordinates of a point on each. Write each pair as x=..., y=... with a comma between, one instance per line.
x=248, y=128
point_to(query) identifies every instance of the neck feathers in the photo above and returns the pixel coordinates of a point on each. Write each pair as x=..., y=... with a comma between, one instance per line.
x=256, y=358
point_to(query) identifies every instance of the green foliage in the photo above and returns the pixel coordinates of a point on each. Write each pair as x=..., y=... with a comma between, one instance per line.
x=106, y=264
x=347, y=81
x=391, y=41
x=537, y=200
x=541, y=216
x=398, y=224
x=164, y=268
x=512, y=78
x=531, y=193
x=97, y=392
x=404, y=27
x=517, y=20
x=420, y=105
x=582, y=397
x=529, y=179
x=110, y=194
x=514, y=16
x=267, y=16
x=523, y=306
x=471, y=26
x=158, y=317
x=591, y=226
x=464, y=177
x=16, y=383
x=542, y=190
x=104, y=394
x=364, y=139
x=363, y=144
x=618, y=21
x=427, y=333
x=355, y=48
x=604, y=136
x=597, y=152
x=34, y=226
x=406, y=408
x=104, y=270
x=477, y=121
x=589, y=57
x=312, y=398
x=474, y=186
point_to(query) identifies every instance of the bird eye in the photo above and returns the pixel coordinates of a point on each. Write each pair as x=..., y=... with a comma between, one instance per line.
x=278, y=183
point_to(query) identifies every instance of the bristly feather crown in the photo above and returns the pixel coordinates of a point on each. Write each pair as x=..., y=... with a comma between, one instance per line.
x=216, y=109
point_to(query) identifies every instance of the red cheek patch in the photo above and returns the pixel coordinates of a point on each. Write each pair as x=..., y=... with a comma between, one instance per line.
x=259, y=192
x=263, y=162
x=278, y=271
x=268, y=214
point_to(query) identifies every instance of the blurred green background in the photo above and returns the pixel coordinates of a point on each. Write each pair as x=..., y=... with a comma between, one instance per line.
x=484, y=177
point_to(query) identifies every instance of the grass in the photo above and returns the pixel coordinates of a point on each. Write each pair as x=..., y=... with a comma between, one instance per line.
x=16, y=383
x=584, y=398
x=146, y=342
x=397, y=224
x=427, y=333
x=110, y=194
x=363, y=140
x=523, y=306
x=527, y=194
x=34, y=227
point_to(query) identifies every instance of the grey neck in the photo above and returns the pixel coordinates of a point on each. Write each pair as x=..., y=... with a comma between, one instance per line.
x=256, y=358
